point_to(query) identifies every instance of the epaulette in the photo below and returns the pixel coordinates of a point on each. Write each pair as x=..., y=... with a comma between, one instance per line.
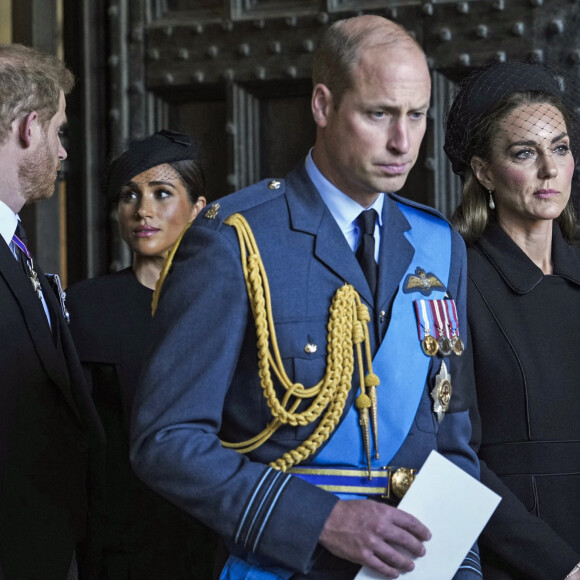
x=419, y=206
x=214, y=214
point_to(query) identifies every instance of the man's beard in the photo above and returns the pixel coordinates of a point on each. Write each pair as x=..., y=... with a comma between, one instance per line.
x=38, y=175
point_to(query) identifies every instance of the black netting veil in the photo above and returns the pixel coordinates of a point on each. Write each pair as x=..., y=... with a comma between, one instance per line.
x=488, y=86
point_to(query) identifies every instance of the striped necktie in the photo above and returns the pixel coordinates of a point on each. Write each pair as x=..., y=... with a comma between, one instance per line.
x=19, y=240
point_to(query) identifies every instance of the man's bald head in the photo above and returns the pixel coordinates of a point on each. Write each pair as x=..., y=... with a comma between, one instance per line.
x=343, y=43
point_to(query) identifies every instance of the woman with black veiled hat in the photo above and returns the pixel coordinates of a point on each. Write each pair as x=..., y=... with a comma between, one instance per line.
x=510, y=134
x=158, y=187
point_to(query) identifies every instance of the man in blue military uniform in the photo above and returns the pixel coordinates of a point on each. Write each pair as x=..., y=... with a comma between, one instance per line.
x=301, y=348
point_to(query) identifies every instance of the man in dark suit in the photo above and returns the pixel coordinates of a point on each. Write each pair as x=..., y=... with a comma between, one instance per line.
x=48, y=425
x=251, y=408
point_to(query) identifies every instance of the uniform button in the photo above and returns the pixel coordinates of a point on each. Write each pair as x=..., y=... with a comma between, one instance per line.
x=310, y=348
x=382, y=316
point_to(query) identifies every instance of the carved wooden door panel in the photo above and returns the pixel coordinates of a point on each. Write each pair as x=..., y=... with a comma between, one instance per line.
x=237, y=74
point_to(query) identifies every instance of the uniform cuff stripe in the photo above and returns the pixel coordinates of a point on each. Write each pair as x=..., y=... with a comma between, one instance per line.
x=259, y=508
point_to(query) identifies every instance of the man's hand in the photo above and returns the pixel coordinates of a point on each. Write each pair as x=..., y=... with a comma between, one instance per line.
x=376, y=535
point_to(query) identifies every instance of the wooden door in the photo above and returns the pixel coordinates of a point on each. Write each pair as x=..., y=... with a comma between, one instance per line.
x=237, y=74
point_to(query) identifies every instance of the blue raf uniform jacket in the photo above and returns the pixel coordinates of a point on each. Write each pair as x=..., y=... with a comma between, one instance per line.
x=200, y=383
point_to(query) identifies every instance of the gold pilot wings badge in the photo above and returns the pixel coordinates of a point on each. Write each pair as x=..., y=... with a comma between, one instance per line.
x=423, y=282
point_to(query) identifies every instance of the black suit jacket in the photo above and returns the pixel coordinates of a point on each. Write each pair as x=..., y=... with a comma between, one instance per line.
x=48, y=432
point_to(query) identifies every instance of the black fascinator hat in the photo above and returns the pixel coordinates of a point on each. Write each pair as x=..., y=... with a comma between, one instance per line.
x=483, y=89
x=165, y=146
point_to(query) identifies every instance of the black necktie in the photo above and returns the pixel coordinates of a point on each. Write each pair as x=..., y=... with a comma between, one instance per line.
x=365, y=253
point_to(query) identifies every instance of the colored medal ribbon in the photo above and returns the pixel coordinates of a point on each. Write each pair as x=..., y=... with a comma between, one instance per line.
x=32, y=275
x=441, y=330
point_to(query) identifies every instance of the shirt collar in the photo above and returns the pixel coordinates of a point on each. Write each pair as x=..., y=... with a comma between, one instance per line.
x=343, y=208
x=8, y=222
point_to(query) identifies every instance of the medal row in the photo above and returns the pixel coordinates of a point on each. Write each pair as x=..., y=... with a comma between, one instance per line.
x=438, y=327
x=444, y=346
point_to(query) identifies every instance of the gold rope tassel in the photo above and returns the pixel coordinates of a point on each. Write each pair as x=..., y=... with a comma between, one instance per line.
x=347, y=329
x=372, y=382
x=362, y=403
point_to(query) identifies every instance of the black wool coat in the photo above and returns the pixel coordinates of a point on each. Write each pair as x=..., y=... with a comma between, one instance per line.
x=524, y=329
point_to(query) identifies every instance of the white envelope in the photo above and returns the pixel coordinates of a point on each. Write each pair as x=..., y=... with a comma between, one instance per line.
x=455, y=507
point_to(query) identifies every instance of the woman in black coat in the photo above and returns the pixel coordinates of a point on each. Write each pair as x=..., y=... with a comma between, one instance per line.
x=157, y=186
x=510, y=136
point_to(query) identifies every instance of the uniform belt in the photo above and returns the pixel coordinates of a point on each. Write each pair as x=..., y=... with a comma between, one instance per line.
x=533, y=457
x=384, y=482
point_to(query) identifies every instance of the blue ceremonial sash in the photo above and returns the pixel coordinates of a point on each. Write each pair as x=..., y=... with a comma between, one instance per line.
x=239, y=569
x=400, y=362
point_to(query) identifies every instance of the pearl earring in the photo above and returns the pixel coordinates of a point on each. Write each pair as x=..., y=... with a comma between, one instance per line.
x=491, y=202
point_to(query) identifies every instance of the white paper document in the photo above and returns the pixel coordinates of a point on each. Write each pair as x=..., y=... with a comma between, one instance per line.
x=455, y=507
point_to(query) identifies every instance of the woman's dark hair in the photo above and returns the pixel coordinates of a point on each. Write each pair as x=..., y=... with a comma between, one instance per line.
x=193, y=177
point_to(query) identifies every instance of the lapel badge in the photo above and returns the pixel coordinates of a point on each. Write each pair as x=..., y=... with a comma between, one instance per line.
x=212, y=211
x=56, y=285
x=441, y=392
x=423, y=282
x=274, y=184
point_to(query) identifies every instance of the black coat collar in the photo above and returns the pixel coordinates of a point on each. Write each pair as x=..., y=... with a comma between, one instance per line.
x=518, y=271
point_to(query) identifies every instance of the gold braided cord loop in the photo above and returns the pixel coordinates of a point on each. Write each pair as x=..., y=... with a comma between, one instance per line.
x=165, y=270
x=347, y=328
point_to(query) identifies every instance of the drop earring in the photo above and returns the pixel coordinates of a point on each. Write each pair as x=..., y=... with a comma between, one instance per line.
x=491, y=203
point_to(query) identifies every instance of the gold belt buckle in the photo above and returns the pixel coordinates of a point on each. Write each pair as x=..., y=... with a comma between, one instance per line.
x=400, y=481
